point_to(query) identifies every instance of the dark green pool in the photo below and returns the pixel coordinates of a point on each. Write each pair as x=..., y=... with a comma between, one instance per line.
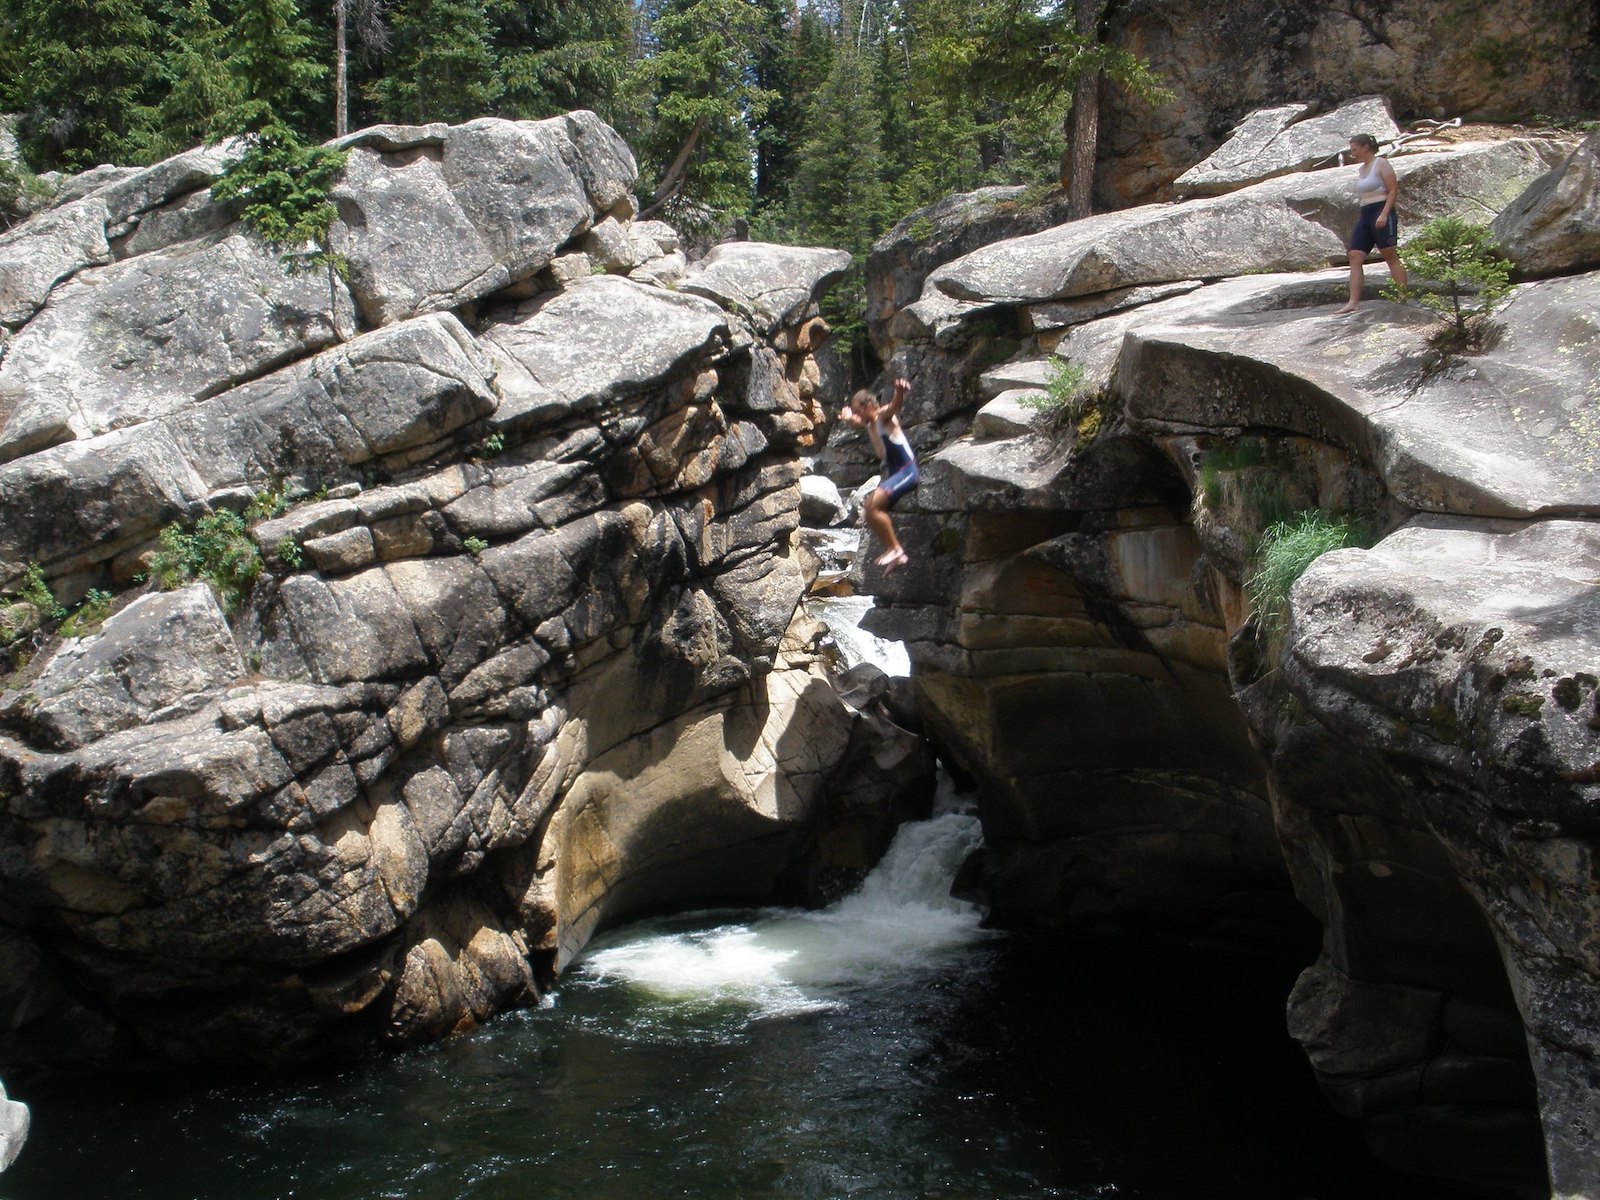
x=884, y=1048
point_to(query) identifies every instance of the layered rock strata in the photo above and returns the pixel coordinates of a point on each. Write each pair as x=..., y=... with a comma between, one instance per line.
x=1484, y=60
x=1416, y=754
x=525, y=656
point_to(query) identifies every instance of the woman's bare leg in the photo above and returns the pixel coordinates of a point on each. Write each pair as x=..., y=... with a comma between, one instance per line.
x=1358, y=261
x=1397, y=270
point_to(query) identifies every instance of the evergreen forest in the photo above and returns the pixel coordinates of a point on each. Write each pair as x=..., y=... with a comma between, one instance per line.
x=820, y=123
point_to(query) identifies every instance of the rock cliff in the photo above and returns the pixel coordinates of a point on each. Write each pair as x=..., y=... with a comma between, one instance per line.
x=1416, y=754
x=1487, y=60
x=524, y=652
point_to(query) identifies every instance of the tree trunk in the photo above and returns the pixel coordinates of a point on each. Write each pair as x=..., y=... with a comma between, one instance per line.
x=672, y=181
x=1077, y=164
x=341, y=92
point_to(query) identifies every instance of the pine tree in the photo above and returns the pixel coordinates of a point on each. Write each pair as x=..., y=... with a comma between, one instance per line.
x=443, y=66
x=193, y=68
x=839, y=196
x=82, y=73
x=698, y=73
x=557, y=55
x=276, y=76
x=280, y=182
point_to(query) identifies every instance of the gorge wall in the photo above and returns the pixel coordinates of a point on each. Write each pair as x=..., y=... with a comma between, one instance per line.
x=524, y=654
x=1477, y=59
x=1416, y=753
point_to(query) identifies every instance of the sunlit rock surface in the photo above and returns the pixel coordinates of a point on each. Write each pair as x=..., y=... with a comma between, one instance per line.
x=525, y=656
x=1416, y=755
x=1223, y=59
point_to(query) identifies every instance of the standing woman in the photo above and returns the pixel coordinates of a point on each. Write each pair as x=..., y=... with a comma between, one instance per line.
x=1378, y=225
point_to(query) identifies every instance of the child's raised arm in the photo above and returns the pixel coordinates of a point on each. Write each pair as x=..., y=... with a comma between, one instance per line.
x=902, y=389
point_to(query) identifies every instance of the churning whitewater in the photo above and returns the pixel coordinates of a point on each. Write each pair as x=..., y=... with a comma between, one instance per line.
x=900, y=921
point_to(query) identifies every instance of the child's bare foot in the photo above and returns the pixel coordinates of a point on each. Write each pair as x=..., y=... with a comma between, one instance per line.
x=1347, y=310
x=888, y=556
x=896, y=561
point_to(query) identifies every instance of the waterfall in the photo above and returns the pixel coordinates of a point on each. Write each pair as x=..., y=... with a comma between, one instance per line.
x=902, y=921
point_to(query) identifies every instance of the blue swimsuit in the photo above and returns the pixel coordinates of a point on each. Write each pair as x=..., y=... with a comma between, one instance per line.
x=900, y=472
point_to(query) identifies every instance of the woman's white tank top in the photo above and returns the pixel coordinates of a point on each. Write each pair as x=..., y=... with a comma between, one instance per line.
x=1369, y=184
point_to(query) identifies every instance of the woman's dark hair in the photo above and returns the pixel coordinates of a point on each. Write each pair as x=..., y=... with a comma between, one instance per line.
x=1364, y=139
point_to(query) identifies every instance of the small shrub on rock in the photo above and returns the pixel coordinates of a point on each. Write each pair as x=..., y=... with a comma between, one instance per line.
x=1286, y=549
x=89, y=615
x=35, y=590
x=1068, y=400
x=217, y=550
x=1463, y=259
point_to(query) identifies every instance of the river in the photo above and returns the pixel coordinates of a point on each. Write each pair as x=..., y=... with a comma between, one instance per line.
x=885, y=1048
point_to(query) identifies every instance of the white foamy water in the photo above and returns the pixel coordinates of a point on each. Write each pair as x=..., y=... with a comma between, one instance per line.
x=842, y=615
x=783, y=962
x=901, y=920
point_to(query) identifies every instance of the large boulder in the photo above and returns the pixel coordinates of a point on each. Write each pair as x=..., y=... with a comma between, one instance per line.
x=1291, y=223
x=772, y=284
x=1554, y=226
x=152, y=657
x=1457, y=656
x=40, y=254
x=1267, y=366
x=1276, y=141
x=1410, y=753
x=380, y=396
x=522, y=653
x=601, y=337
x=453, y=213
x=1223, y=59
x=140, y=338
x=901, y=259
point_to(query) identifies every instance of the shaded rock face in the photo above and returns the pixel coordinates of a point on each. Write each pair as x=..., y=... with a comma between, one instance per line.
x=1498, y=60
x=1415, y=755
x=1555, y=225
x=525, y=656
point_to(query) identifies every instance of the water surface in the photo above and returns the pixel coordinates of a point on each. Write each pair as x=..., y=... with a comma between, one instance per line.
x=887, y=1048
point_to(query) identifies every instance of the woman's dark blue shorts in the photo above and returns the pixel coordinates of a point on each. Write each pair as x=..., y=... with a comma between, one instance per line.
x=1368, y=233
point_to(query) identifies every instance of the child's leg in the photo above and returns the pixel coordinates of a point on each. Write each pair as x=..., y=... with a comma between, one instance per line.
x=877, y=517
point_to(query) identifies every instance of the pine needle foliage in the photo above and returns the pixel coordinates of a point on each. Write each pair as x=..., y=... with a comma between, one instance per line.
x=1463, y=258
x=283, y=186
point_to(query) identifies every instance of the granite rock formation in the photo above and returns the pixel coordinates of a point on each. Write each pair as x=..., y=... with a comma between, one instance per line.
x=1484, y=60
x=525, y=654
x=1415, y=755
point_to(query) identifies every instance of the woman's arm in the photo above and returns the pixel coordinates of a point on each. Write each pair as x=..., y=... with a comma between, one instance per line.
x=1391, y=190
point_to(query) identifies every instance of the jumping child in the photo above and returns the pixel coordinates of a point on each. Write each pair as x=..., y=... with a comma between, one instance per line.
x=899, y=474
